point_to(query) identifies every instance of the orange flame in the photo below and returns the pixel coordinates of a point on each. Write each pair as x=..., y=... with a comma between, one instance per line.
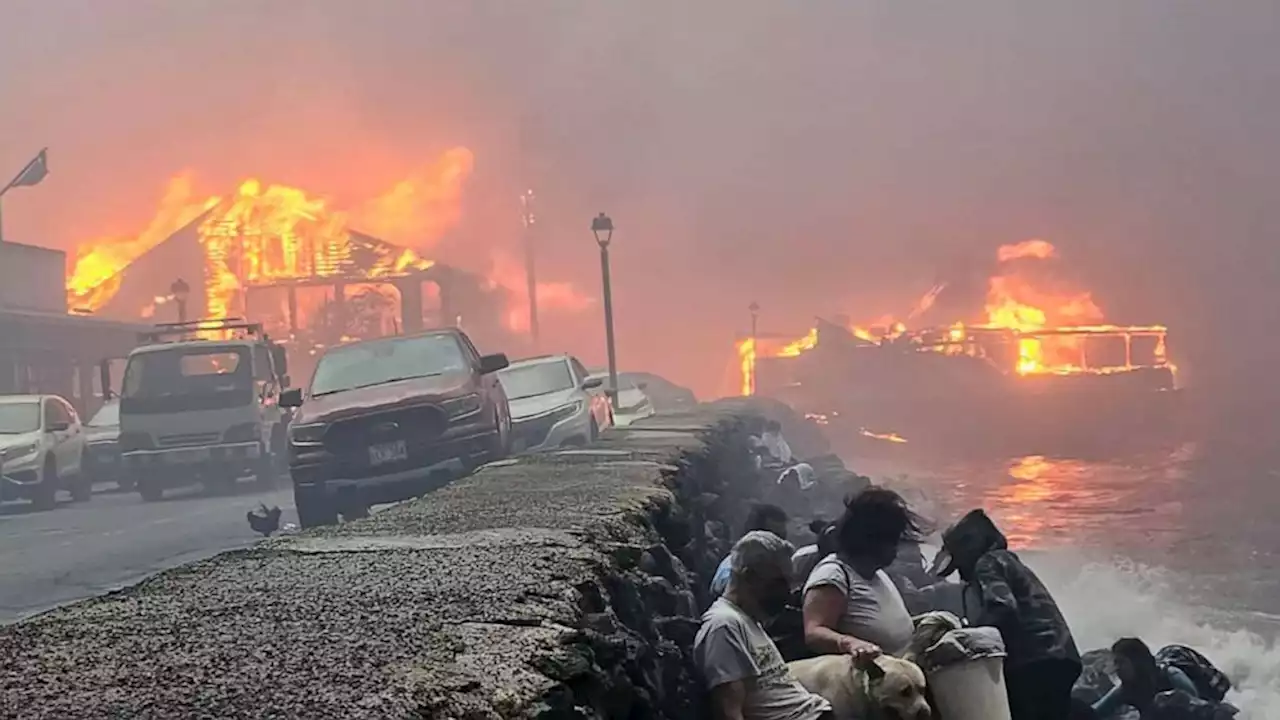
x=265, y=233
x=1018, y=299
x=94, y=277
x=1016, y=303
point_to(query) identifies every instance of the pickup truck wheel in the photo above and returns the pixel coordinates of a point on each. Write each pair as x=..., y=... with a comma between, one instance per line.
x=82, y=488
x=500, y=446
x=314, y=510
x=45, y=495
x=150, y=489
x=266, y=472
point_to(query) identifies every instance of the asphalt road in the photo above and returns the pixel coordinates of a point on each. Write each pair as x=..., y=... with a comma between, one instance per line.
x=84, y=549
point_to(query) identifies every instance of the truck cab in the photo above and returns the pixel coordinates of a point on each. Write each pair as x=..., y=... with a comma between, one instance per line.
x=200, y=402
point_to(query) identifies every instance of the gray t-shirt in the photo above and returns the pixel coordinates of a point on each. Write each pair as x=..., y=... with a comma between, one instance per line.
x=731, y=646
x=875, y=611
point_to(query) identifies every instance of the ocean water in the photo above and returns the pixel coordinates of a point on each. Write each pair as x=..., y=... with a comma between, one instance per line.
x=1181, y=545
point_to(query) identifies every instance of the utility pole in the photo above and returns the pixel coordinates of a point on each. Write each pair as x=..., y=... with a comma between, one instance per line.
x=755, y=342
x=531, y=275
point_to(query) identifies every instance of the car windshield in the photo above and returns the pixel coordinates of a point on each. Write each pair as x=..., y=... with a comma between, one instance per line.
x=524, y=381
x=107, y=416
x=182, y=379
x=378, y=362
x=19, y=417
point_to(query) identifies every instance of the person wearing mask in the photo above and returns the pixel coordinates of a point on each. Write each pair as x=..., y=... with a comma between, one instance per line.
x=1042, y=661
x=850, y=604
x=736, y=658
x=770, y=518
x=1142, y=679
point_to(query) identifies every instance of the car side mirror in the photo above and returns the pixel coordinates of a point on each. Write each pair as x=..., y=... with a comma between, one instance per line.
x=291, y=398
x=592, y=383
x=59, y=426
x=493, y=363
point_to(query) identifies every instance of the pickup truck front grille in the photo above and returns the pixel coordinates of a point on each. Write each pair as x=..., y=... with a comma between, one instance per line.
x=189, y=439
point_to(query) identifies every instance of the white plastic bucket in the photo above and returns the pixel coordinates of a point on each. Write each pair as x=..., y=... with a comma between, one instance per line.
x=971, y=690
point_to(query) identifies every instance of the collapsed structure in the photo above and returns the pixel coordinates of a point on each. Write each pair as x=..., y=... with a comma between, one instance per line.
x=1043, y=368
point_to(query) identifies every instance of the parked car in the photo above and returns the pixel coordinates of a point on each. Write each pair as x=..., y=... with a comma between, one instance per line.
x=102, y=447
x=665, y=396
x=633, y=401
x=380, y=416
x=41, y=450
x=554, y=403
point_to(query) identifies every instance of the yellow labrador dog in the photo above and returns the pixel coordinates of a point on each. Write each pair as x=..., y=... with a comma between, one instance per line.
x=885, y=687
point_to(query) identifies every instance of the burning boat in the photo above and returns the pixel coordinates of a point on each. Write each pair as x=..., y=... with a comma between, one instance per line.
x=1043, y=374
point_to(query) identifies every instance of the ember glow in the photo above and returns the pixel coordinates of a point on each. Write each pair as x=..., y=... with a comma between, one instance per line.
x=509, y=274
x=1049, y=320
x=887, y=437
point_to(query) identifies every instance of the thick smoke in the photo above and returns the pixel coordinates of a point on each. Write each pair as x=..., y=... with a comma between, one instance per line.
x=817, y=158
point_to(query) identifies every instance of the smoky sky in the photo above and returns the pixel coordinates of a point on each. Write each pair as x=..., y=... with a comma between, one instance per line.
x=816, y=157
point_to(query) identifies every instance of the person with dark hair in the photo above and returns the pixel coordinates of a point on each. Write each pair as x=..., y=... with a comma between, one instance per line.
x=850, y=604
x=1042, y=661
x=769, y=518
x=1143, y=678
x=807, y=557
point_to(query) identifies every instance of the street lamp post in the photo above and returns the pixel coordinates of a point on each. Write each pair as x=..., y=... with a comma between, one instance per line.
x=531, y=276
x=755, y=342
x=602, y=228
x=180, y=291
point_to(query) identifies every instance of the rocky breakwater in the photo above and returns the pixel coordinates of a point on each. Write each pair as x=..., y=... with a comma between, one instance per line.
x=558, y=585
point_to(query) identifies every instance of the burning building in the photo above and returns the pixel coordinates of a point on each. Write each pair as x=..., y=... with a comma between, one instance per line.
x=276, y=255
x=1036, y=365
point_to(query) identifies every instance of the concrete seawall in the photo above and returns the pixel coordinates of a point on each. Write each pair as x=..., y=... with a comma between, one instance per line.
x=556, y=585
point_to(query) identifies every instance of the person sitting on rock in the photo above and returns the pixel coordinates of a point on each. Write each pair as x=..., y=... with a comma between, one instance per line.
x=850, y=604
x=735, y=656
x=761, y=517
x=776, y=445
x=1143, y=679
x=1042, y=662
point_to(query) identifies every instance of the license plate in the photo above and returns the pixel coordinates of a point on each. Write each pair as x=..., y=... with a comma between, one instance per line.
x=384, y=453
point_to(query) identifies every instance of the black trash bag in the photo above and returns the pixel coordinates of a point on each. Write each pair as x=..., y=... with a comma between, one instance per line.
x=1210, y=682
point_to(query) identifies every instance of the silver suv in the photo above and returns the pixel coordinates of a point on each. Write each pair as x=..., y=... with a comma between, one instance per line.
x=554, y=403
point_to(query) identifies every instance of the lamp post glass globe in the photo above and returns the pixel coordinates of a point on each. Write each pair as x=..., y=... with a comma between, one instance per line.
x=602, y=227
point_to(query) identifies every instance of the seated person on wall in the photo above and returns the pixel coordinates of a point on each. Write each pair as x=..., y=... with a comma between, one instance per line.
x=770, y=518
x=1150, y=683
x=735, y=656
x=850, y=604
x=1042, y=662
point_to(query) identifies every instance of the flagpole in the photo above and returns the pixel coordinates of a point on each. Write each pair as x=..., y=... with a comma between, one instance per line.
x=20, y=177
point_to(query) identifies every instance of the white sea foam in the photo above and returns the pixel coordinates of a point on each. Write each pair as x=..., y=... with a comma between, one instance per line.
x=1105, y=601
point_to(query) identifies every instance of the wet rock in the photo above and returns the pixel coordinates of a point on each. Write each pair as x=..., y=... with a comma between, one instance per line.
x=1097, y=678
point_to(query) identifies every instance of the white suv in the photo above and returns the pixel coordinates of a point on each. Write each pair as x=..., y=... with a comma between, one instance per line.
x=41, y=448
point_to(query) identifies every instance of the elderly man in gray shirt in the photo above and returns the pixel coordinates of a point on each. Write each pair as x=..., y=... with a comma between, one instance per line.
x=738, y=660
